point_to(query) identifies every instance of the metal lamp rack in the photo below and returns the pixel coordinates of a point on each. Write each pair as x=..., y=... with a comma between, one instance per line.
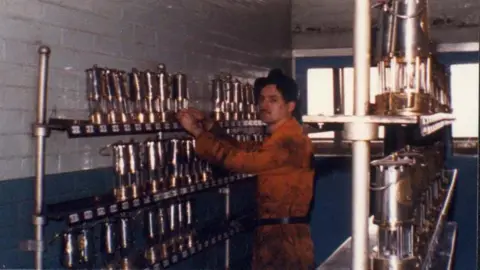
x=97, y=208
x=361, y=128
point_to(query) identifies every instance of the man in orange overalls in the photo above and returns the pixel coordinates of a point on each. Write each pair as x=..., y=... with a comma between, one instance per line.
x=283, y=166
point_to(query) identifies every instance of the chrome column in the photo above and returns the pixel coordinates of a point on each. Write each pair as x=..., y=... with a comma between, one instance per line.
x=40, y=131
x=361, y=145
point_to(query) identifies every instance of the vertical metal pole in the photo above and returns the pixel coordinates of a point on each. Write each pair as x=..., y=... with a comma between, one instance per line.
x=338, y=101
x=40, y=132
x=361, y=148
x=227, y=216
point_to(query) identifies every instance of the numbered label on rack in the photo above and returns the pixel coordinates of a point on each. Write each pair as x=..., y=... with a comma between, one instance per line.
x=115, y=128
x=157, y=197
x=148, y=127
x=214, y=240
x=168, y=194
x=73, y=218
x=174, y=258
x=184, y=254
x=199, y=247
x=127, y=128
x=165, y=263
x=87, y=215
x=205, y=244
x=125, y=205
x=101, y=211
x=146, y=200
x=103, y=129
x=75, y=130
x=192, y=250
x=192, y=188
x=89, y=129
x=113, y=208
x=183, y=191
x=136, y=203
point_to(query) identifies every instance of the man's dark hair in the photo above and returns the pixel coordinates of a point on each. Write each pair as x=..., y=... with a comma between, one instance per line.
x=285, y=85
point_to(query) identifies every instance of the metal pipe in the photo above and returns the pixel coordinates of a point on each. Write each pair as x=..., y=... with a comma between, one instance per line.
x=40, y=132
x=226, y=191
x=360, y=204
x=361, y=57
x=338, y=100
x=361, y=148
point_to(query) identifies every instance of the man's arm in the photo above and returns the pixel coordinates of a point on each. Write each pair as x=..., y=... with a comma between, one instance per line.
x=268, y=157
x=221, y=134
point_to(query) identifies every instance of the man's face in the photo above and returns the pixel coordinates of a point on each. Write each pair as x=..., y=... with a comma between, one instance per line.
x=273, y=107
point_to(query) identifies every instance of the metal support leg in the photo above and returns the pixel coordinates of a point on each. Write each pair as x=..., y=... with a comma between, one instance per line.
x=360, y=205
x=360, y=144
x=226, y=191
x=40, y=131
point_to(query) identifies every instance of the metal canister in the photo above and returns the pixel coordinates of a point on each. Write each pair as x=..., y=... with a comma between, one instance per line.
x=180, y=91
x=94, y=96
x=218, y=98
x=69, y=250
x=150, y=225
x=86, y=249
x=125, y=234
x=108, y=238
x=152, y=162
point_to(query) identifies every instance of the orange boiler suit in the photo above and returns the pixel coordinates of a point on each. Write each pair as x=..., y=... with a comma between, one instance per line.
x=284, y=189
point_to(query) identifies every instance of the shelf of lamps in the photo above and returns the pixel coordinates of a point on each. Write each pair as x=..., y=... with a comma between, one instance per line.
x=82, y=128
x=99, y=207
x=208, y=240
x=427, y=124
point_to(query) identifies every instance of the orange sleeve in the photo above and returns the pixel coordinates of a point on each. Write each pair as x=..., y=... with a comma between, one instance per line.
x=220, y=134
x=266, y=158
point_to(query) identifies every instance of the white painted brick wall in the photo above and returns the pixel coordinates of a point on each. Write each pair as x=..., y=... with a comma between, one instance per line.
x=338, y=15
x=200, y=38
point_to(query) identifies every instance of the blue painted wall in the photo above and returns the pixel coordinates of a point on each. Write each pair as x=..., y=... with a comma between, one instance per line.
x=16, y=207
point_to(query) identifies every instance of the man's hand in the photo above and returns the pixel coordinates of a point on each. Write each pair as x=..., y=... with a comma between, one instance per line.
x=189, y=123
x=207, y=122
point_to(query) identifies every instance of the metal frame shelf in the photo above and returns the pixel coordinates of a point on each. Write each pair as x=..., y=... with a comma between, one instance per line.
x=427, y=124
x=99, y=207
x=219, y=236
x=83, y=128
x=340, y=258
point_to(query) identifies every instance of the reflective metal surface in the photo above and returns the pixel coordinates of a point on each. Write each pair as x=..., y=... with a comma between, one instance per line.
x=116, y=96
x=443, y=259
x=439, y=242
x=232, y=99
x=411, y=80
